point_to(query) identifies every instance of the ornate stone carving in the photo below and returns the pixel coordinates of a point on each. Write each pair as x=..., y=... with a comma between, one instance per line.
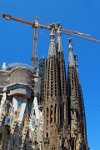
x=79, y=142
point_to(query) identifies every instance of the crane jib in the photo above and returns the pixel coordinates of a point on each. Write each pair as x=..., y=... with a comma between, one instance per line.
x=52, y=26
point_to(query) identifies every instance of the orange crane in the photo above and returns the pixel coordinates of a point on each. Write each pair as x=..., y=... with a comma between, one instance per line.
x=36, y=25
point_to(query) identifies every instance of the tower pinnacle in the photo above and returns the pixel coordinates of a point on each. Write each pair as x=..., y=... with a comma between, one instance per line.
x=59, y=41
x=52, y=47
x=71, y=59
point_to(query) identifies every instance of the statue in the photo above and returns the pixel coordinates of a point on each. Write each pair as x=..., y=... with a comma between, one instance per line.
x=62, y=143
x=53, y=147
x=66, y=144
x=79, y=142
x=74, y=125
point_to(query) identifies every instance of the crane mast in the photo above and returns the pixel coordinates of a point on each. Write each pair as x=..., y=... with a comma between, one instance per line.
x=35, y=50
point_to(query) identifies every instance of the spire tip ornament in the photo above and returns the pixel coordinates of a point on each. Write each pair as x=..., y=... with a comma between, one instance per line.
x=52, y=47
x=71, y=56
x=70, y=43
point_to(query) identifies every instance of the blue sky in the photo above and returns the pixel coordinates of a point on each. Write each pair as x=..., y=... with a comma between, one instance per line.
x=78, y=15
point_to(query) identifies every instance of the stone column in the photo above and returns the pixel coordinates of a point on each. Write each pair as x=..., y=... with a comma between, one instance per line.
x=65, y=112
x=57, y=114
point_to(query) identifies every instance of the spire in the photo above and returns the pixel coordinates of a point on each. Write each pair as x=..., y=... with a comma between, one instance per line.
x=52, y=47
x=59, y=41
x=71, y=59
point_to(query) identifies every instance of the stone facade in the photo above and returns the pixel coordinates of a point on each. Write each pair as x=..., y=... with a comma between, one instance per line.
x=21, y=122
x=58, y=124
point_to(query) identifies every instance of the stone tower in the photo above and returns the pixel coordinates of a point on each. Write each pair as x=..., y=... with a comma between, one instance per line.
x=62, y=77
x=52, y=97
x=77, y=121
x=55, y=99
x=64, y=114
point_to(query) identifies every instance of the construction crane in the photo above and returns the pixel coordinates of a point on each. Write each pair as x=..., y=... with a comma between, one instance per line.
x=36, y=25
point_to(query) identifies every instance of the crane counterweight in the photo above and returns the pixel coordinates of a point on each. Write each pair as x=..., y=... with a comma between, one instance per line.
x=6, y=16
